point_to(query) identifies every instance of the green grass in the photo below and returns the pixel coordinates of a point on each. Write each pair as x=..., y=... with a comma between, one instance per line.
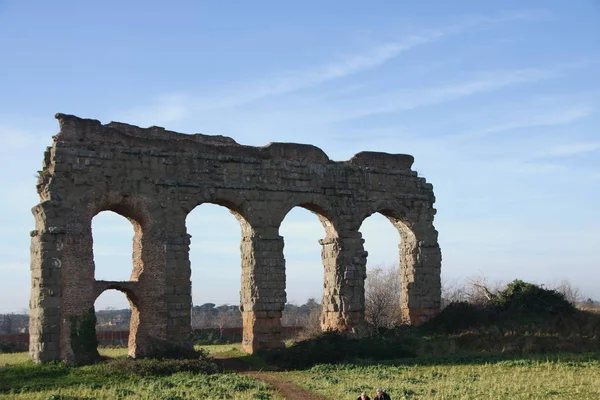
x=59, y=382
x=16, y=358
x=22, y=379
x=483, y=376
x=227, y=349
x=13, y=358
x=551, y=377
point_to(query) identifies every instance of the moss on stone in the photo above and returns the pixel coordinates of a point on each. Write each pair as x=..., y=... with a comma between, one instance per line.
x=83, y=338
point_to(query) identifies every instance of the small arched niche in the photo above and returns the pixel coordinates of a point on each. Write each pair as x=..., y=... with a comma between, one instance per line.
x=117, y=318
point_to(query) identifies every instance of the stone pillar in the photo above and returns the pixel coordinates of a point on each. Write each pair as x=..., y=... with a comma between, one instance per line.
x=149, y=305
x=62, y=323
x=178, y=286
x=344, y=260
x=263, y=288
x=45, y=304
x=78, y=331
x=420, y=269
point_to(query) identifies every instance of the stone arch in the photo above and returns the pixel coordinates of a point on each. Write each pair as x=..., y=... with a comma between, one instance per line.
x=136, y=209
x=126, y=243
x=246, y=231
x=179, y=277
x=128, y=289
x=78, y=271
x=323, y=212
x=232, y=200
x=419, y=258
x=330, y=284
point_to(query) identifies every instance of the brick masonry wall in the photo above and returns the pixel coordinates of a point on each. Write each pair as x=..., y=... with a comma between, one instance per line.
x=155, y=177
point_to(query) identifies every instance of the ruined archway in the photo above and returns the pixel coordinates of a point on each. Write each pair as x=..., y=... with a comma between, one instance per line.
x=155, y=177
x=215, y=262
x=113, y=321
x=115, y=240
x=382, y=284
x=304, y=257
x=419, y=260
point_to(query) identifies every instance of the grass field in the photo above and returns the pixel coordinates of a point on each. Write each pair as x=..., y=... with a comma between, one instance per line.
x=568, y=376
x=555, y=377
x=21, y=379
x=232, y=349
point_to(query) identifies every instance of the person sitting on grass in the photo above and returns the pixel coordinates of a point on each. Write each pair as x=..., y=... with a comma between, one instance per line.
x=381, y=395
x=363, y=396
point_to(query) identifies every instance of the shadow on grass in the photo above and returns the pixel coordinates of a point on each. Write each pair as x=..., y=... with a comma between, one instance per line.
x=333, y=347
x=406, y=346
x=30, y=377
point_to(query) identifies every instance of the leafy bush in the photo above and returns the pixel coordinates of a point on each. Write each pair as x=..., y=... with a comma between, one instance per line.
x=521, y=307
x=523, y=297
x=208, y=336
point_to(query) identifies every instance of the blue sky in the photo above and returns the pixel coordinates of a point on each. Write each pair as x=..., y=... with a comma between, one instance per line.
x=498, y=102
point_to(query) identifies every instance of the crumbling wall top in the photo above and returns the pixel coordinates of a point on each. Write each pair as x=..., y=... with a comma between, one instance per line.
x=75, y=129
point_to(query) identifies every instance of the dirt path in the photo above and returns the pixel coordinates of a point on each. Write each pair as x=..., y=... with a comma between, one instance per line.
x=287, y=389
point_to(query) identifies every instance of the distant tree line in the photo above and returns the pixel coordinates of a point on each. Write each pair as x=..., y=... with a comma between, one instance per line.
x=382, y=305
x=14, y=323
x=112, y=319
x=209, y=315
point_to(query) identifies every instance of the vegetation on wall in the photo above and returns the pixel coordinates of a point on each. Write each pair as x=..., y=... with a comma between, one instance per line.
x=83, y=338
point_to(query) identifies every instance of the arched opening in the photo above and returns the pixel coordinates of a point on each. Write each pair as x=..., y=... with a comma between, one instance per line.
x=383, y=286
x=306, y=274
x=116, y=246
x=113, y=323
x=215, y=260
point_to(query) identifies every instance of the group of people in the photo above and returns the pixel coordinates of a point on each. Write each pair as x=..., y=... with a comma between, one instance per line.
x=381, y=395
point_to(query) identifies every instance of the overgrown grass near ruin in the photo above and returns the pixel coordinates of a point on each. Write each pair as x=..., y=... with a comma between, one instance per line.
x=123, y=378
x=534, y=377
x=114, y=352
x=57, y=382
x=563, y=376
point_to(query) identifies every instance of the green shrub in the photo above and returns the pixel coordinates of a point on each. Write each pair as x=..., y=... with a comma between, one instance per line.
x=522, y=307
x=523, y=297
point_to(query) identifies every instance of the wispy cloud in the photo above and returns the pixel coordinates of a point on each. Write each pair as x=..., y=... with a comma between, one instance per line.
x=433, y=94
x=546, y=118
x=567, y=150
x=175, y=106
x=485, y=82
x=535, y=168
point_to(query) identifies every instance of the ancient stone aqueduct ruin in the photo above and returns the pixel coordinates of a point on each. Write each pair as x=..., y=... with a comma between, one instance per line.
x=155, y=177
